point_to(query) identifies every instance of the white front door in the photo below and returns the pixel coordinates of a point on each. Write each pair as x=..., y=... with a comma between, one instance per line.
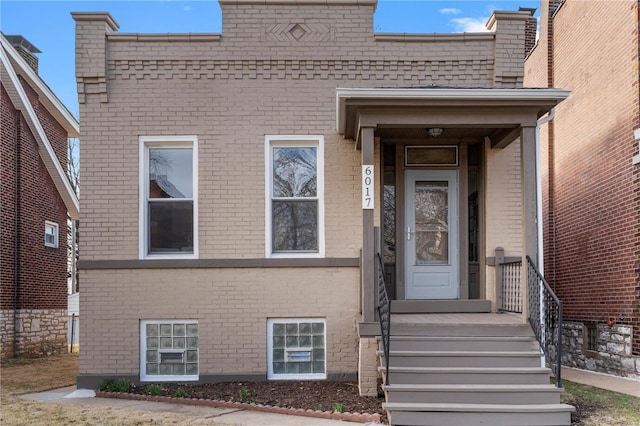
x=431, y=234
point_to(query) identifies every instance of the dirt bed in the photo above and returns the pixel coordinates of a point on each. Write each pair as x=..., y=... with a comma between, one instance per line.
x=309, y=395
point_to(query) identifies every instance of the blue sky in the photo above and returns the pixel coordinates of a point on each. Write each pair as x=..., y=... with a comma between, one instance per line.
x=48, y=24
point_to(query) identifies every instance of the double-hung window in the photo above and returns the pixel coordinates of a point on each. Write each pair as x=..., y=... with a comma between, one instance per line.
x=294, y=201
x=168, y=197
x=51, y=234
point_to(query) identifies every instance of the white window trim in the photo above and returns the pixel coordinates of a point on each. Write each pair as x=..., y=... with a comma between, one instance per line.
x=309, y=376
x=271, y=141
x=143, y=353
x=56, y=233
x=168, y=142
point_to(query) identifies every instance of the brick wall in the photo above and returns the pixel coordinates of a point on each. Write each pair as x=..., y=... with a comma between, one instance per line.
x=592, y=196
x=232, y=307
x=42, y=276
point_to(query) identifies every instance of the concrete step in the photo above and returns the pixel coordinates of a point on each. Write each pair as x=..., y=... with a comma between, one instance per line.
x=440, y=306
x=469, y=343
x=462, y=359
x=421, y=414
x=460, y=330
x=468, y=375
x=473, y=394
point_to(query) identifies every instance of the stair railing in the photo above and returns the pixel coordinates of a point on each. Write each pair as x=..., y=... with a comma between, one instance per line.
x=511, y=292
x=384, y=315
x=545, y=317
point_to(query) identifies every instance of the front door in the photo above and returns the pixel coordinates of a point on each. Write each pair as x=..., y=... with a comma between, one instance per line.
x=431, y=234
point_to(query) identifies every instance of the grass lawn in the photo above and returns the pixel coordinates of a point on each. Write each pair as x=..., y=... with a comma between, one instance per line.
x=595, y=407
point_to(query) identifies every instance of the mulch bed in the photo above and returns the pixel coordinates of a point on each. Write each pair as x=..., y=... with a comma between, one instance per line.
x=318, y=396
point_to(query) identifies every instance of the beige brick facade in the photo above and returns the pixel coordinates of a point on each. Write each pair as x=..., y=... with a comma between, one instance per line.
x=274, y=70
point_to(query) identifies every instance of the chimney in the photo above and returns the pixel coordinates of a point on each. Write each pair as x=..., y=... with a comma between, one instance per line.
x=25, y=49
x=530, y=30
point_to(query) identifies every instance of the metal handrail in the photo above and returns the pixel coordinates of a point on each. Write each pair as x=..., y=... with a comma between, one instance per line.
x=384, y=315
x=545, y=317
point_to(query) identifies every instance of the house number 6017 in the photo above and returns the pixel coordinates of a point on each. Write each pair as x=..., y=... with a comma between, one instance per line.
x=367, y=187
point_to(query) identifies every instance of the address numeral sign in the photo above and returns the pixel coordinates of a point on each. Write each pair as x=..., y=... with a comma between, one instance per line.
x=367, y=187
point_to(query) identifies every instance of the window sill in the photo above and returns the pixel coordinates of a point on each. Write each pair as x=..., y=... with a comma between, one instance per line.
x=169, y=378
x=169, y=256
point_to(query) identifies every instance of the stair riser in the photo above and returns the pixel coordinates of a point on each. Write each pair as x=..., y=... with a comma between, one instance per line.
x=466, y=361
x=475, y=397
x=412, y=378
x=443, y=345
x=421, y=418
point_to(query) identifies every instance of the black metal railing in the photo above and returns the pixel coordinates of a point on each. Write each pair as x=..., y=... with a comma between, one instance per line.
x=511, y=287
x=384, y=315
x=545, y=317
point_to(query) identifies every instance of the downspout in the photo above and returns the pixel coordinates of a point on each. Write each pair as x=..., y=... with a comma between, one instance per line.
x=16, y=276
x=539, y=123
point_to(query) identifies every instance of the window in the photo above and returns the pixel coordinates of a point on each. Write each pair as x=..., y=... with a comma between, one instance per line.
x=294, y=201
x=169, y=350
x=51, y=234
x=296, y=349
x=591, y=336
x=168, y=197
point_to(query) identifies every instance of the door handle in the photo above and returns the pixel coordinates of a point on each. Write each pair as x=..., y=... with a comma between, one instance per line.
x=408, y=233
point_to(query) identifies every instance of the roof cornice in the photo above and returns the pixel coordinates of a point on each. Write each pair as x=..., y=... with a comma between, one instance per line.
x=55, y=170
x=47, y=97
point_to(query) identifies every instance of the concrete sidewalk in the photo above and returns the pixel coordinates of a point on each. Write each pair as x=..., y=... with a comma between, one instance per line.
x=602, y=381
x=217, y=416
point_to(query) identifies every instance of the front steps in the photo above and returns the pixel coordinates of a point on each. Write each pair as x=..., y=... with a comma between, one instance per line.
x=469, y=374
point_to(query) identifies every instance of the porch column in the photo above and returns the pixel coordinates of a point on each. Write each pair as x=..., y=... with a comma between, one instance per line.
x=529, y=206
x=368, y=240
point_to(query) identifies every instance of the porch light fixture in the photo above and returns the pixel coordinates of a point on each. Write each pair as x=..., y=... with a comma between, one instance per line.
x=435, y=132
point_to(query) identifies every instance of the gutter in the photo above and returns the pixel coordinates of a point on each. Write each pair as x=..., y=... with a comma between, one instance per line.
x=16, y=259
x=539, y=123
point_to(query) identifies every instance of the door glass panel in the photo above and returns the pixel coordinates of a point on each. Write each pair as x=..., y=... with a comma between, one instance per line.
x=431, y=222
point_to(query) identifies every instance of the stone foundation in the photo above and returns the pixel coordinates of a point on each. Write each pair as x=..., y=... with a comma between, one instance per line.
x=39, y=332
x=613, y=354
x=368, y=366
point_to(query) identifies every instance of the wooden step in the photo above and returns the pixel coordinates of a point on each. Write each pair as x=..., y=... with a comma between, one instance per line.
x=462, y=359
x=473, y=394
x=469, y=343
x=461, y=330
x=440, y=306
x=468, y=375
x=420, y=414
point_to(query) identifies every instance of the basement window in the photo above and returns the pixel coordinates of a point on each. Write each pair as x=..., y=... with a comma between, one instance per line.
x=168, y=350
x=591, y=337
x=51, y=234
x=296, y=349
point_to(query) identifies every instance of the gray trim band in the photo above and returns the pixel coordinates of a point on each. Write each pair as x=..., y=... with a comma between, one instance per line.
x=491, y=261
x=351, y=262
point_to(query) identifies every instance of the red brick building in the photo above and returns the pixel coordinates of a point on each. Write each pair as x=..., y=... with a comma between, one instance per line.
x=37, y=199
x=591, y=177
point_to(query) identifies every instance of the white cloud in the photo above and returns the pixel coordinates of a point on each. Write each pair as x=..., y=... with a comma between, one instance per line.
x=470, y=25
x=186, y=8
x=450, y=11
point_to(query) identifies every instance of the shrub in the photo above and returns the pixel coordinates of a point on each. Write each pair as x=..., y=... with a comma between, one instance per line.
x=120, y=385
x=154, y=390
x=181, y=393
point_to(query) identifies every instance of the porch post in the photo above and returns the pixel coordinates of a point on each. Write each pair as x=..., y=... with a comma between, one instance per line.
x=529, y=207
x=368, y=240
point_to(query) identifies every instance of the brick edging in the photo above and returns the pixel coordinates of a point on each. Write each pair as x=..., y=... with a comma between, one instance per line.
x=350, y=417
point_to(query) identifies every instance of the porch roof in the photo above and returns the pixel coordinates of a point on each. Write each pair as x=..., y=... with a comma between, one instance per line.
x=504, y=110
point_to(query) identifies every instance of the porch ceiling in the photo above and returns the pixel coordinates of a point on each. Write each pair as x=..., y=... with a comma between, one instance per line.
x=466, y=114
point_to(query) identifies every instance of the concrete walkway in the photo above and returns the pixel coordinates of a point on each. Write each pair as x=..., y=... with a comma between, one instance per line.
x=217, y=416
x=602, y=381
